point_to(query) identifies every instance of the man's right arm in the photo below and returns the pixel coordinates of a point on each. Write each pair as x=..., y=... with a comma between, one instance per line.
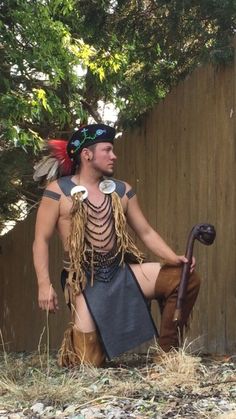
x=47, y=217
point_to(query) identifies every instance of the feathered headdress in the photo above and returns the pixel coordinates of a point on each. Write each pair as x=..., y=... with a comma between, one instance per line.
x=56, y=164
x=62, y=158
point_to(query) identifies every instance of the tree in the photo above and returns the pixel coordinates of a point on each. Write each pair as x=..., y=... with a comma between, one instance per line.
x=160, y=43
x=36, y=75
x=59, y=58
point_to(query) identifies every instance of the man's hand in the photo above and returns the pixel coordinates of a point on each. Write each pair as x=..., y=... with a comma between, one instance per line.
x=47, y=298
x=183, y=259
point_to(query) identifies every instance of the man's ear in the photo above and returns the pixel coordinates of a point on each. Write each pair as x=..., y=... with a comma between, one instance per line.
x=87, y=154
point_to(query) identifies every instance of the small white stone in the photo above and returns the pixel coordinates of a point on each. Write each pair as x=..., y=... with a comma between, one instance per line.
x=48, y=410
x=69, y=410
x=91, y=413
x=37, y=407
x=58, y=413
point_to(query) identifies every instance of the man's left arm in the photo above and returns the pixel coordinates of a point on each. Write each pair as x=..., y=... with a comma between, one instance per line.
x=152, y=240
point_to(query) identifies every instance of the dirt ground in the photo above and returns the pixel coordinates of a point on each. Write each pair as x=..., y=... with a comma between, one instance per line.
x=178, y=385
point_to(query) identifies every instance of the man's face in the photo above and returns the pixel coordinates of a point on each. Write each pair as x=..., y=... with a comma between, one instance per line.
x=104, y=158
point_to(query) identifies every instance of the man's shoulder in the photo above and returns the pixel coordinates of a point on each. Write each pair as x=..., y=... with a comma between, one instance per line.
x=52, y=191
x=65, y=184
x=59, y=187
x=122, y=187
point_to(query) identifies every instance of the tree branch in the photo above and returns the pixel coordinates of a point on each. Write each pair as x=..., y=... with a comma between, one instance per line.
x=93, y=112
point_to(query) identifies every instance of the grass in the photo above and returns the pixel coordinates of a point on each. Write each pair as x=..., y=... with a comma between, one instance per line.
x=178, y=381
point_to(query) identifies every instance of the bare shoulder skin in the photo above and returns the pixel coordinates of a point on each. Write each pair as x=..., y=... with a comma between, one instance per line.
x=54, y=214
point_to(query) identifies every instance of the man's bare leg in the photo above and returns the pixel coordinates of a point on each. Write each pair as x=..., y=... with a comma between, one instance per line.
x=82, y=317
x=146, y=275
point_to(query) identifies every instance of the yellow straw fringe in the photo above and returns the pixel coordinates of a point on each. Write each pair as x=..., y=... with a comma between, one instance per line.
x=76, y=245
x=125, y=243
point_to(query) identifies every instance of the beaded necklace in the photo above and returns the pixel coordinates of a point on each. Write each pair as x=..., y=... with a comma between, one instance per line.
x=98, y=239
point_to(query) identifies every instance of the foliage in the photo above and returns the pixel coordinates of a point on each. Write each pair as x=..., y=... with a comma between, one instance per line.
x=158, y=42
x=36, y=74
x=132, y=52
x=17, y=189
x=59, y=58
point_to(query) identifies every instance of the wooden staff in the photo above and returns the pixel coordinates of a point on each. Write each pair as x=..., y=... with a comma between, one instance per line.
x=205, y=233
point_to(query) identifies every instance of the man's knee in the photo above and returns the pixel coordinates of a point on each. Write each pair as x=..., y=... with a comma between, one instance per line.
x=169, y=333
x=168, y=281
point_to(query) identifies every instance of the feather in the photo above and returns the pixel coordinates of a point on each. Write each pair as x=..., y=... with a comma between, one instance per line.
x=53, y=171
x=58, y=149
x=55, y=165
x=43, y=167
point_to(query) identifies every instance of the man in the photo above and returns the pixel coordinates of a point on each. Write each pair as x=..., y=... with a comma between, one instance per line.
x=106, y=282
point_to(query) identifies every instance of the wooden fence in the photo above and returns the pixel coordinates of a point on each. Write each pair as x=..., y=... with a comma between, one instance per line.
x=182, y=162
x=24, y=327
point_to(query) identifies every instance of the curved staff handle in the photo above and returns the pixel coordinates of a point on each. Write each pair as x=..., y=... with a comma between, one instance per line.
x=205, y=233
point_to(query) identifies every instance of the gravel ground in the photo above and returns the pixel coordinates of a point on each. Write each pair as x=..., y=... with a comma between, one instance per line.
x=129, y=387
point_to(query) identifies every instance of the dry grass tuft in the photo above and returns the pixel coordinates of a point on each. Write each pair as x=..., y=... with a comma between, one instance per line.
x=176, y=368
x=27, y=379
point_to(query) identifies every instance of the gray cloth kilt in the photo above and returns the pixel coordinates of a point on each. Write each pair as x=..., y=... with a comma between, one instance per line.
x=119, y=310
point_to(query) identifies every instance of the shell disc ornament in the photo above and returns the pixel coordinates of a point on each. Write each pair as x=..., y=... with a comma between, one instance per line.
x=81, y=190
x=107, y=186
